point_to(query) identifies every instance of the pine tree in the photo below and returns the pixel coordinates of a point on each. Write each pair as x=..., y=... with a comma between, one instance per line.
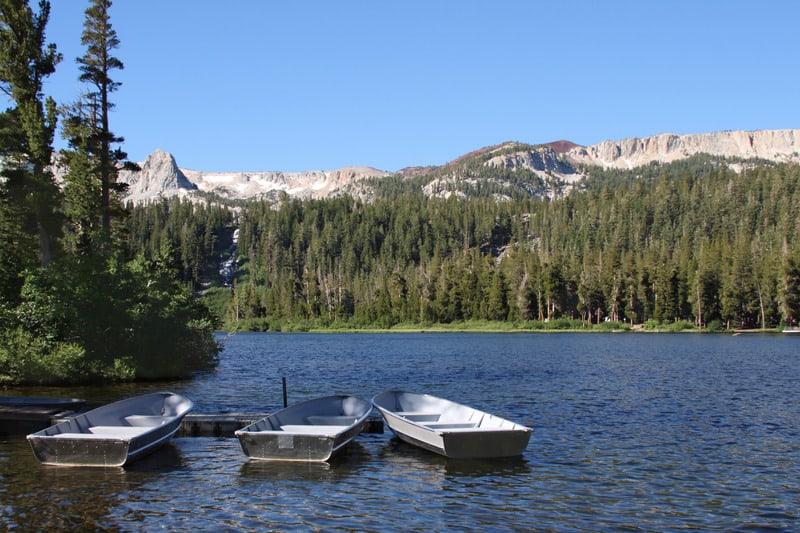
x=25, y=61
x=88, y=129
x=18, y=245
x=791, y=291
x=82, y=195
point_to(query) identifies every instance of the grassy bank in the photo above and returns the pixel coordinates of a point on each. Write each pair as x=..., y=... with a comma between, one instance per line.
x=561, y=325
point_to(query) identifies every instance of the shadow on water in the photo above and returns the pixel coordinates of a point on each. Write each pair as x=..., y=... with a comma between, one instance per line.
x=168, y=458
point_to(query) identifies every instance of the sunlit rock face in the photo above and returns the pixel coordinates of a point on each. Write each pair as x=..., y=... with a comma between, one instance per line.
x=773, y=145
x=557, y=163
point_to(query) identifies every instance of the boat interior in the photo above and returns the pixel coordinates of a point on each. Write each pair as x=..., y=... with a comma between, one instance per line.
x=152, y=411
x=439, y=414
x=331, y=415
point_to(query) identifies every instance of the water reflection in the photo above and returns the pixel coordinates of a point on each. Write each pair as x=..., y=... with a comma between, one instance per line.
x=38, y=498
x=292, y=471
x=346, y=462
x=399, y=452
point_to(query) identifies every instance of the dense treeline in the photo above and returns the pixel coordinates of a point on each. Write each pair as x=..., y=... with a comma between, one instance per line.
x=193, y=234
x=694, y=242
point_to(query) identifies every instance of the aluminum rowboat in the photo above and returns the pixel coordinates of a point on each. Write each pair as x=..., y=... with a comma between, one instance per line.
x=449, y=428
x=114, y=434
x=308, y=431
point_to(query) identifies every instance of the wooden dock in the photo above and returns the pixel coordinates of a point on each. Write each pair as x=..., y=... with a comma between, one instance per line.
x=202, y=425
x=22, y=421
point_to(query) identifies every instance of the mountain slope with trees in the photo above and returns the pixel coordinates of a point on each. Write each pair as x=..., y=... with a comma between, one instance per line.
x=690, y=243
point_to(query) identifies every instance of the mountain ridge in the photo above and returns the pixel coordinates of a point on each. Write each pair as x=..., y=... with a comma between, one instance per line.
x=557, y=165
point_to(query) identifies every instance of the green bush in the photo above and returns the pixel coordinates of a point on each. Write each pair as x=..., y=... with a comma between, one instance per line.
x=30, y=359
x=651, y=325
x=565, y=323
x=612, y=326
x=98, y=319
x=680, y=325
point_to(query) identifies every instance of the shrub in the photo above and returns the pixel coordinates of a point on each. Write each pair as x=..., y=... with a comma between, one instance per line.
x=98, y=319
x=680, y=325
x=29, y=359
x=651, y=325
x=612, y=326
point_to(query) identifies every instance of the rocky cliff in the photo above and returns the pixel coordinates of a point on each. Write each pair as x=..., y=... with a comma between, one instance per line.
x=560, y=161
x=160, y=177
x=773, y=145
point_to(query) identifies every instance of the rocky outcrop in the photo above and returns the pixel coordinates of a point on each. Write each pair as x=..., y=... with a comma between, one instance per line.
x=773, y=145
x=159, y=177
x=543, y=159
x=560, y=164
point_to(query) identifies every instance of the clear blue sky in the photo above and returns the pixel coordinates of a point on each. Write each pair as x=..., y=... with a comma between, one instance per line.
x=247, y=85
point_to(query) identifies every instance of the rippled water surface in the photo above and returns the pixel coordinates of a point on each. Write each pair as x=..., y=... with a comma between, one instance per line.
x=631, y=432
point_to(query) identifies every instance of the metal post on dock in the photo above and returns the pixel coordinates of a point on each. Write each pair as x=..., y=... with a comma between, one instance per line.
x=285, y=402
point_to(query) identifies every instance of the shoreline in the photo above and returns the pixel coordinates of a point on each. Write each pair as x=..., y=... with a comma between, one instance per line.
x=499, y=328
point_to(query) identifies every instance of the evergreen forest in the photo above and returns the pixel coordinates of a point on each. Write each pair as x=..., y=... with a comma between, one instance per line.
x=687, y=245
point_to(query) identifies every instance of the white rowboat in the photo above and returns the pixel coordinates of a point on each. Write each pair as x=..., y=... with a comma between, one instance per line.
x=449, y=428
x=308, y=431
x=114, y=434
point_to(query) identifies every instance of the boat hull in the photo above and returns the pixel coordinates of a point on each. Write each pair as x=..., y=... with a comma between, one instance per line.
x=448, y=428
x=294, y=446
x=112, y=435
x=80, y=452
x=311, y=431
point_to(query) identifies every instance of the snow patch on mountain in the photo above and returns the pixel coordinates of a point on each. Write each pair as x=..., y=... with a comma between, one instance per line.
x=556, y=163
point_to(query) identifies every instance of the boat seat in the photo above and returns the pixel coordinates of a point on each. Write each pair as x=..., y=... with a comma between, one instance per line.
x=146, y=420
x=80, y=436
x=319, y=420
x=419, y=416
x=121, y=431
x=450, y=425
x=468, y=429
x=312, y=429
x=105, y=432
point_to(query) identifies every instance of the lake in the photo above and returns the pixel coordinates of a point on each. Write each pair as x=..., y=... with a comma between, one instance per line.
x=636, y=432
